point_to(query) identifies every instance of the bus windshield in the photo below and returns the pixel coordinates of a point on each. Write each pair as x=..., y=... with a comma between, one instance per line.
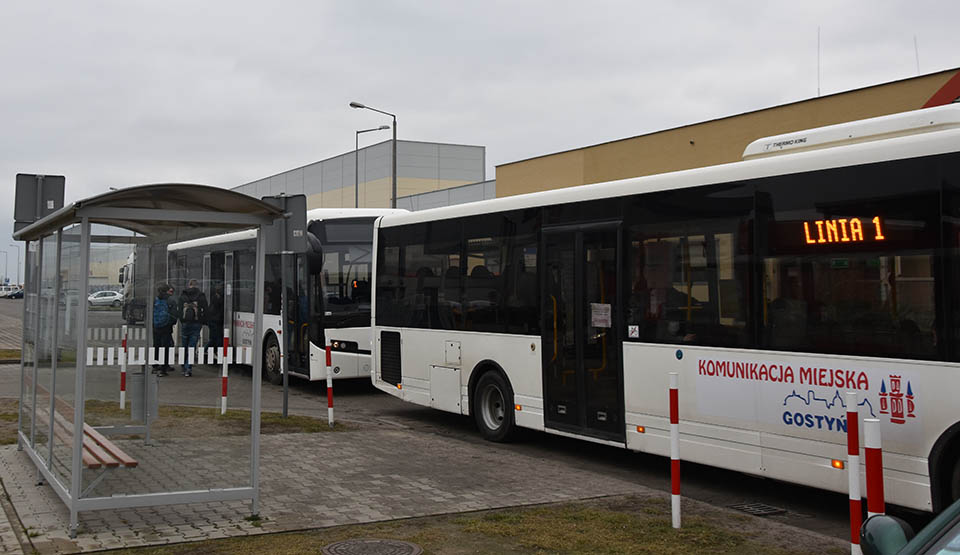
x=345, y=276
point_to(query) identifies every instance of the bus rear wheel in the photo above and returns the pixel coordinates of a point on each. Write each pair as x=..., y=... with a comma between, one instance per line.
x=493, y=407
x=271, y=362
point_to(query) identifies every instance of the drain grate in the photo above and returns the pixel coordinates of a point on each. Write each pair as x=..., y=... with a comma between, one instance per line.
x=370, y=546
x=757, y=509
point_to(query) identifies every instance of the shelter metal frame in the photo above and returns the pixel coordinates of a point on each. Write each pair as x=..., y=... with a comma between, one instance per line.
x=150, y=210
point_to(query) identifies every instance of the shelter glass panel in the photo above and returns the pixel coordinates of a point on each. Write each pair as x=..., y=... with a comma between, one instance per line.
x=29, y=355
x=153, y=388
x=46, y=345
x=69, y=305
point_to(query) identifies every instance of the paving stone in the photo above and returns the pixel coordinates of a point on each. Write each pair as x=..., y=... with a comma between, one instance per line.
x=368, y=475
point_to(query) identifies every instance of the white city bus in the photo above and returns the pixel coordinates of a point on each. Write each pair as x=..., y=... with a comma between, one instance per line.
x=827, y=261
x=328, y=300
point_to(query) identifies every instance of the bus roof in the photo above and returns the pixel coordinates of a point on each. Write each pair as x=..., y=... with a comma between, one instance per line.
x=873, y=129
x=317, y=214
x=936, y=138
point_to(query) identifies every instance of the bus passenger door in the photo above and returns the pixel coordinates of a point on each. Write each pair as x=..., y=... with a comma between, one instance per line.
x=582, y=378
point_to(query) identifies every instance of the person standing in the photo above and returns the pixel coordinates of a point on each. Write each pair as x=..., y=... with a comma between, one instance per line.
x=191, y=308
x=164, y=317
x=215, y=318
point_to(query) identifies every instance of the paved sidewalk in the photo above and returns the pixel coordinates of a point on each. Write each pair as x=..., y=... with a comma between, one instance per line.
x=11, y=332
x=316, y=480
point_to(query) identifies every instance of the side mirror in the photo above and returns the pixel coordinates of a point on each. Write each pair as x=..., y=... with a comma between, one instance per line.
x=884, y=535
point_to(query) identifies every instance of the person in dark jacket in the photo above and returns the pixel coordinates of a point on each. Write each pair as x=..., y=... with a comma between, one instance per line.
x=215, y=318
x=191, y=308
x=164, y=317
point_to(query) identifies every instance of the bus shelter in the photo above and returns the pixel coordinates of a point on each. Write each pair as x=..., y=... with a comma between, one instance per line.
x=102, y=387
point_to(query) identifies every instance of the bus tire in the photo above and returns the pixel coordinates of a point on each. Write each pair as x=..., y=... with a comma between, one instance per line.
x=954, y=484
x=272, y=371
x=493, y=407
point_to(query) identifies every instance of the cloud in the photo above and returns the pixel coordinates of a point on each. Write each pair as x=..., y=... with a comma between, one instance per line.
x=115, y=93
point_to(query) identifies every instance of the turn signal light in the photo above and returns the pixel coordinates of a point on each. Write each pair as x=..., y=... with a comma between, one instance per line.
x=641, y=429
x=518, y=407
x=837, y=463
x=399, y=386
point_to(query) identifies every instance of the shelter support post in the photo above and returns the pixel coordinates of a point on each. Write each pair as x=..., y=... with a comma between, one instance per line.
x=257, y=372
x=79, y=396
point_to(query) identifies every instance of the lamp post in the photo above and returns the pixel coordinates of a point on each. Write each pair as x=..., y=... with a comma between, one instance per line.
x=393, y=198
x=356, y=163
x=5, y=267
x=17, y=277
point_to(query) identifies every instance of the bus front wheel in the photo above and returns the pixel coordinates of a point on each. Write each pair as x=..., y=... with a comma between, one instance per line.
x=271, y=362
x=493, y=407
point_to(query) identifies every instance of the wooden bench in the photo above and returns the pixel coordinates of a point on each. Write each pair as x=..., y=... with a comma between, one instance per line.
x=98, y=451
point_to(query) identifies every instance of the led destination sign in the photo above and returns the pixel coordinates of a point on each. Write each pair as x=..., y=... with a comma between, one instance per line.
x=842, y=230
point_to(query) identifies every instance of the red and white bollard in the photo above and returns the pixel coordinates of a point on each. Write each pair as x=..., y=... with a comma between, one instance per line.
x=853, y=471
x=329, y=387
x=675, y=448
x=123, y=369
x=223, y=372
x=873, y=455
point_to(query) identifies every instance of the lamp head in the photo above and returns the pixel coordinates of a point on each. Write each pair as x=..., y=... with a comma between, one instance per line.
x=356, y=105
x=382, y=127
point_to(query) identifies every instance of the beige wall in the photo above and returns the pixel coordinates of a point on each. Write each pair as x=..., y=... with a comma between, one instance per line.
x=712, y=142
x=376, y=194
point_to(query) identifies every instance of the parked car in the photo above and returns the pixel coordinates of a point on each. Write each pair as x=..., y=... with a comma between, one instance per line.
x=18, y=294
x=105, y=298
x=887, y=535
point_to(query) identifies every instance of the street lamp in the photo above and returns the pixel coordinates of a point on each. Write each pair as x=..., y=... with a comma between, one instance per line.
x=393, y=199
x=356, y=163
x=5, y=267
x=17, y=277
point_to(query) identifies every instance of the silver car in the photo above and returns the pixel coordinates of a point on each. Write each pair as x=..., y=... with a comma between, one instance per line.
x=105, y=298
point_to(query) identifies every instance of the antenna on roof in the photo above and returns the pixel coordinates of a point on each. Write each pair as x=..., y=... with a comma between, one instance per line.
x=818, y=61
x=916, y=51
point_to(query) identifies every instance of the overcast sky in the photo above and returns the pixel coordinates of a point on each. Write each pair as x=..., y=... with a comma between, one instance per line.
x=119, y=93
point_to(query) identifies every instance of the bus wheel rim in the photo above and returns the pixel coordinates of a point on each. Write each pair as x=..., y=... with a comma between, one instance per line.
x=492, y=406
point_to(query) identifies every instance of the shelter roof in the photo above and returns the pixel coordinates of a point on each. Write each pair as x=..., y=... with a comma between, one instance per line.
x=153, y=210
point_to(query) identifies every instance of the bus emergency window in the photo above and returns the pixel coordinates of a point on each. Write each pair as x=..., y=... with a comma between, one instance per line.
x=690, y=278
x=483, y=293
x=864, y=296
x=423, y=289
x=500, y=284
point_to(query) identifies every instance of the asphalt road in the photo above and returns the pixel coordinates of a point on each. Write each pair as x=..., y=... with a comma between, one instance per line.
x=359, y=401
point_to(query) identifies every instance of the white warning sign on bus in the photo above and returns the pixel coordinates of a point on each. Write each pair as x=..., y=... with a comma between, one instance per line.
x=600, y=315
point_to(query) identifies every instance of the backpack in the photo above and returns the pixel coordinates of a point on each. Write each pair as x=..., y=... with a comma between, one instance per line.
x=161, y=313
x=191, y=311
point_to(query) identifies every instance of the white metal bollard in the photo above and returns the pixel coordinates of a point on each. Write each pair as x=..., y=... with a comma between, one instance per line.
x=223, y=375
x=873, y=454
x=675, y=448
x=123, y=369
x=329, y=387
x=853, y=471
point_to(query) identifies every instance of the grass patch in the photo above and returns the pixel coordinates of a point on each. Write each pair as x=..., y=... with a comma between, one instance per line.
x=9, y=409
x=177, y=422
x=597, y=526
x=186, y=422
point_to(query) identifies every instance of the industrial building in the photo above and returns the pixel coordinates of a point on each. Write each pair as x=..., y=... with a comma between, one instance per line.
x=437, y=174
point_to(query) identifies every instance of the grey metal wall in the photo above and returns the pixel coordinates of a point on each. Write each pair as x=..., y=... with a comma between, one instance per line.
x=448, y=197
x=421, y=168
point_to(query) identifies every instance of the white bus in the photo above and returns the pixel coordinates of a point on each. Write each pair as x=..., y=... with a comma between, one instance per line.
x=827, y=261
x=328, y=300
